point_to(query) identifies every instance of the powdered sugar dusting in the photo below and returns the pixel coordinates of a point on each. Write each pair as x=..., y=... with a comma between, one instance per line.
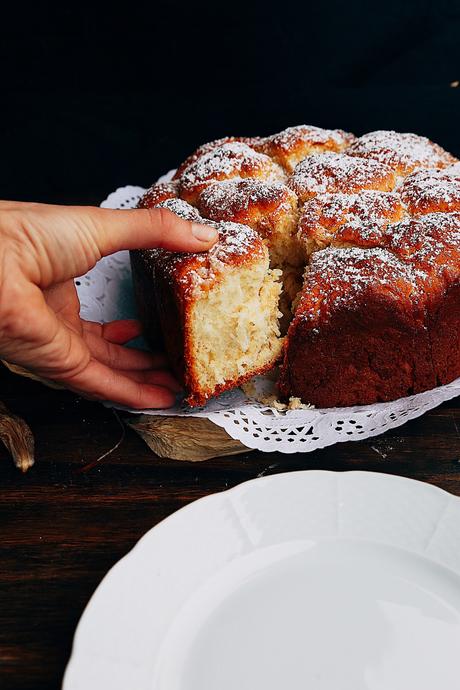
x=338, y=278
x=337, y=172
x=453, y=170
x=181, y=208
x=236, y=244
x=349, y=218
x=234, y=159
x=431, y=242
x=311, y=135
x=227, y=198
x=425, y=191
x=403, y=151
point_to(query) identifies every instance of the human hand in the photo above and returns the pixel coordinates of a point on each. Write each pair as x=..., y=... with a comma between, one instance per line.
x=42, y=248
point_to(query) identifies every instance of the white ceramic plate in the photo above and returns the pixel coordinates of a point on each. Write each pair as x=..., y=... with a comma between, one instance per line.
x=303, y=580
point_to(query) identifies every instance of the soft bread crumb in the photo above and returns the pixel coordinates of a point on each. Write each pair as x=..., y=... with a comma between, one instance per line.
x=297, y=404
x=234, y=326
x=292, y=404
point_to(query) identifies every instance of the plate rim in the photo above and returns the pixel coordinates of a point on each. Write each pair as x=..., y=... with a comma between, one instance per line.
x=78, y=656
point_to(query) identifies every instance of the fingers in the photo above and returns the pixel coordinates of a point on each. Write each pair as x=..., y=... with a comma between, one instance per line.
x=140, y=366
x=120, y=357
x=58, y=243
x=35, y=338
x=148, y=228
x=158, y=377
x=99, y=381
x=122, y=331
x=118, y=332
x=102, y=341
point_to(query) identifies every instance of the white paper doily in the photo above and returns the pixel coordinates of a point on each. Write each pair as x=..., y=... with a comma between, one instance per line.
x=106, y=293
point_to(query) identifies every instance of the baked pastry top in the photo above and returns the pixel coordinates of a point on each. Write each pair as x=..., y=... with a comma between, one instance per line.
x=350, y=245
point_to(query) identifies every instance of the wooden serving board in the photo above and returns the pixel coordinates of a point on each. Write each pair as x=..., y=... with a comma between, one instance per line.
x=179, y=438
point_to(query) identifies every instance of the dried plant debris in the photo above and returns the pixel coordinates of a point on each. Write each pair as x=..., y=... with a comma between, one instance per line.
x=121, y=438
x=17, y=437
x=185, y=438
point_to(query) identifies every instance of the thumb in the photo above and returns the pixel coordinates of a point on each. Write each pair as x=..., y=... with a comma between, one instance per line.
x=149, y=228
x=61, y=242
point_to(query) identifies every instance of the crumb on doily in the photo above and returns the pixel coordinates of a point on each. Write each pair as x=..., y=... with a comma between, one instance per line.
x=249, y=388
x=296, y=404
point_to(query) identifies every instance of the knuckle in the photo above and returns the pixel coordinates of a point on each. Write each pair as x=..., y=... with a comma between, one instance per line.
x=14, y=320
x=162, y=219
x=113, y=356
x=158, y=217
x=138, y=397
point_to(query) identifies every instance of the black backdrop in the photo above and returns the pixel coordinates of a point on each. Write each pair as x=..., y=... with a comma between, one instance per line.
x=93, y=98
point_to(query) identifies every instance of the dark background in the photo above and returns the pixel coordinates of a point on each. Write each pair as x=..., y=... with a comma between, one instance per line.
x=96, y=97
x=92, y=99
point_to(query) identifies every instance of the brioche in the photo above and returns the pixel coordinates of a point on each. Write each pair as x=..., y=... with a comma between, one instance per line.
x=402, y=151
x=293, y=144
x=218, y=310
x=234, y=159
x=351, y=245
x=325, y=173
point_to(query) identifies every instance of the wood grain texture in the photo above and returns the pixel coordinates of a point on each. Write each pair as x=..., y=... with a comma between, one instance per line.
x=62, y=528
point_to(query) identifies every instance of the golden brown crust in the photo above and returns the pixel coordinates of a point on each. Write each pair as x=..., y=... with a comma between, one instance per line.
x=358, y=335
x=231, y=160
x=197, y=397
x=377, y=324
x=430, y=243
x=161, y=191
x=429, y=191
x=379, y=313
x=210, y=146
x=348, y=219
x=402, y=151
x=186, y=272
x=338, y=278
x=252, y=202
x=326, y=173
x=295, y=143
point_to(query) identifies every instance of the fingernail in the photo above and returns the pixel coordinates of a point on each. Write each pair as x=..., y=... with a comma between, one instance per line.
x=204, y=233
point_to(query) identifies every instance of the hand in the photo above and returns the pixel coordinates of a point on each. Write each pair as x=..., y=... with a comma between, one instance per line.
x=42, y=248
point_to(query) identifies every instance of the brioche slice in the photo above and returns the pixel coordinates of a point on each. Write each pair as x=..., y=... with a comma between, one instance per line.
x=271, y=210
x=218, y=310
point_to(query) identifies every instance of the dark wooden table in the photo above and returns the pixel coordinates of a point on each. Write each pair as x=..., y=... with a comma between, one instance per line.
x=62, y=529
